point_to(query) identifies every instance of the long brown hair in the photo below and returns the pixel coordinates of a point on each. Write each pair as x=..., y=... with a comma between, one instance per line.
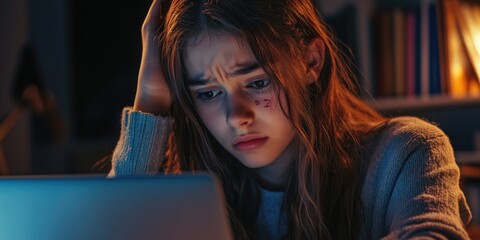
x=322, y=198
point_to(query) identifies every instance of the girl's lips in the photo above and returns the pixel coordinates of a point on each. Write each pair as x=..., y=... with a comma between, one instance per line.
x=249, y=143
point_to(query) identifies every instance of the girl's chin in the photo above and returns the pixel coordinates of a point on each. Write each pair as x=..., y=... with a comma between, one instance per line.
x=254, y=164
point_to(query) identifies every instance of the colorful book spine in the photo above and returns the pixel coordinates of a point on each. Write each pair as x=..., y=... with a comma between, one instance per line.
x=399, y=47
x=411, y=49
x=434, y=54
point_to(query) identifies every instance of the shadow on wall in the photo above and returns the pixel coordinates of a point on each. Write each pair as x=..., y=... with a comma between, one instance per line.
x=31, y=95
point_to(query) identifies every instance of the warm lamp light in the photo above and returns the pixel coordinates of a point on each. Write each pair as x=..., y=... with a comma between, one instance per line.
x=457, y=72
x=462, y=36
x=469, y=23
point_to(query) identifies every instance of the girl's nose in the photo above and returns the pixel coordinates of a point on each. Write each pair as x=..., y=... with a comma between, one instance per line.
x=239, y=111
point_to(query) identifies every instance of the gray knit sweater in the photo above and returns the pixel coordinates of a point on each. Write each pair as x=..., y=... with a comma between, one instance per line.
x=410, y=189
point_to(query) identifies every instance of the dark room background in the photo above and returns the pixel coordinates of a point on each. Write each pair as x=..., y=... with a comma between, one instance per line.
x=87, y=53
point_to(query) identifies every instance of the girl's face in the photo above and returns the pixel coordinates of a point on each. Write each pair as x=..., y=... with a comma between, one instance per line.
x=237, y=102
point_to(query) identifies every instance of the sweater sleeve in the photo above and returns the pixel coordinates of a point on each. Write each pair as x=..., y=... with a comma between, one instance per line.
x=413, y=190
x=142, y=144
x=426, y=201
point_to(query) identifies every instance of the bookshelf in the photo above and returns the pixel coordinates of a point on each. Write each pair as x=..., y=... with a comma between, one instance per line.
x=416, y=57
x=420, y=58
x=411, y=49
x=419, y=103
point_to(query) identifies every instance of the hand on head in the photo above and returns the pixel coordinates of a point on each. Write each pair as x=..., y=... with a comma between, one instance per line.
x=153, y=94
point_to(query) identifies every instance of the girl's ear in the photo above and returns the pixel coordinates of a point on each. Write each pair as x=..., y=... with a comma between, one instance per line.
x=316, y=59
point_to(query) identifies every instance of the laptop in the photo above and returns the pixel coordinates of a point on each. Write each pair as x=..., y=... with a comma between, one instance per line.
x=187, y=206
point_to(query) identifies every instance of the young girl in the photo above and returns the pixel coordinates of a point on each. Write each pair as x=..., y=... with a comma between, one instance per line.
x=257, y=92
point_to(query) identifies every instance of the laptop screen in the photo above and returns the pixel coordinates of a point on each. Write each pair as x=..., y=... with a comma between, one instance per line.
x=187, y=206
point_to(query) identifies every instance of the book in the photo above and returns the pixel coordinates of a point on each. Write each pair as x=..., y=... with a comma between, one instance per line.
x=399, y=48
x=384, y=53
x=434, y=50
x=425, y=49
x=444, y=69
x=365, y=58
x=412, y=36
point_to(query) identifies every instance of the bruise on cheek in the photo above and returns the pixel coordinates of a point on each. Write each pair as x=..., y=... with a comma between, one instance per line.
x=265, y=102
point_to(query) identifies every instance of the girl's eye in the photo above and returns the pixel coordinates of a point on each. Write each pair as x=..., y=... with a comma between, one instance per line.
x=259, y=84
x=209, y=95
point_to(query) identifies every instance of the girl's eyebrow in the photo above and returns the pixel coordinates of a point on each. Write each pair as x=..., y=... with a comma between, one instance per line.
x=198, y=81
x=244, y=68
x=240, y=69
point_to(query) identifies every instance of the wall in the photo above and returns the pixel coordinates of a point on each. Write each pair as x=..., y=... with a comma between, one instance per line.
x=44, y=24
x=14, y=32
x=50, y=33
